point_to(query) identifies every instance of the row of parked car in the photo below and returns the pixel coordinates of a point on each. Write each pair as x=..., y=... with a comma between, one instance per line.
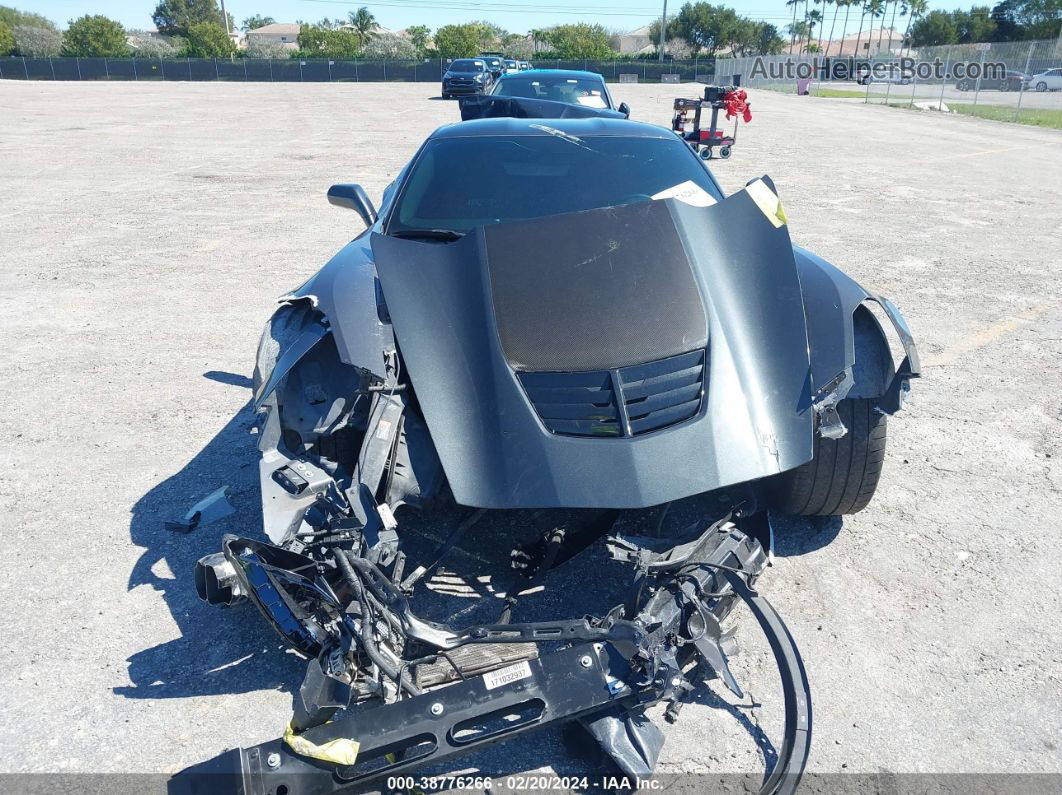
x=556, y=85
x=477, y=75
x=1013, y=80
x=1048, y=80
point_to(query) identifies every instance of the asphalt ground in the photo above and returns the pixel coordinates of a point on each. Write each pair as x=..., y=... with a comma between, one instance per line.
x=146, y=231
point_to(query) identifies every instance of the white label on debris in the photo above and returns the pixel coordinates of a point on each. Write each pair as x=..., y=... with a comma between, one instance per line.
x=689, y=192
x=507, y=675
x=383, y=431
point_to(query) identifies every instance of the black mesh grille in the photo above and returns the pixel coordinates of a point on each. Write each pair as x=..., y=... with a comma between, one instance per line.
x=627, y=401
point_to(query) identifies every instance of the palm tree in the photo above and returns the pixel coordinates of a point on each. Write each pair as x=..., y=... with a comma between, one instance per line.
x=881, y=27
x=859, y=36
x=915, y=8
x=875, y=8
x=836, y=7
x=892, y=24
x=821, y=17
x=844, y=25
x=364, y=24
x=814, y=18
x=792, y=26
x=797, y=31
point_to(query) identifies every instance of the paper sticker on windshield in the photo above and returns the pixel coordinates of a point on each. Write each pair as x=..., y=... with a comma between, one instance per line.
x=591, y=101
x=767, y=200
x=507, y=675
x=689, y=192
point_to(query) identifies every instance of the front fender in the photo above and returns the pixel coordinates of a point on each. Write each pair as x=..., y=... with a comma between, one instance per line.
x=831, y=302
x=347, y=292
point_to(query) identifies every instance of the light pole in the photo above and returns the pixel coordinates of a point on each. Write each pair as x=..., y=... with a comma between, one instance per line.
x=663, y=28
x=225, y=19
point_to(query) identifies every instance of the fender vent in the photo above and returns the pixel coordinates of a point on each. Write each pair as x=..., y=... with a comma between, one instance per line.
x=627, y=401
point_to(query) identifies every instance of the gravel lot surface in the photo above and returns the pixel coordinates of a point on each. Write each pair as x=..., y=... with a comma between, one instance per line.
x=147, y=229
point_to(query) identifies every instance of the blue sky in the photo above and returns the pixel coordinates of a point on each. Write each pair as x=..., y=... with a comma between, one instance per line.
x=513, y=15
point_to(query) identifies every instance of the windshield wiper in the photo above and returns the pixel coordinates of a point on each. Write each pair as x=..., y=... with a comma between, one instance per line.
x=428, y=234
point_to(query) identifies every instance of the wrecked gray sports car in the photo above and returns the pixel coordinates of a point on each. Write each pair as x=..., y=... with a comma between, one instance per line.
x=547, y=314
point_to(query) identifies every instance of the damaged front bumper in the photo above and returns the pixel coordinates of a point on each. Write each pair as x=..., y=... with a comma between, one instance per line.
x=603, y=672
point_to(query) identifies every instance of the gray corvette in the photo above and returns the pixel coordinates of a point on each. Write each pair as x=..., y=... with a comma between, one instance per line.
x=550, y=314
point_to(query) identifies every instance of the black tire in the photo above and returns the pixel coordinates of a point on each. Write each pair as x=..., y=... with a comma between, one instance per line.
x=1041, y=86
x=843, y=475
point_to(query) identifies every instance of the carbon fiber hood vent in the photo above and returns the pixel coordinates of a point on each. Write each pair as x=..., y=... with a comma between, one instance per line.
x=627, y=401
x=594, y=290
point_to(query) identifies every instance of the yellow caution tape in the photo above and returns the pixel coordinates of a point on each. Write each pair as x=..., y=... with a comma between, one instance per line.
x=768, y=202
x=340, y=751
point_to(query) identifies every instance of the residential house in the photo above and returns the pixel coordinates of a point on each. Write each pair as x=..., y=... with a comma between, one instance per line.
x=283, y=33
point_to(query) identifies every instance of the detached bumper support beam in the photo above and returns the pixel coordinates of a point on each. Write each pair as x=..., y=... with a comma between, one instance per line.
x=425, y=729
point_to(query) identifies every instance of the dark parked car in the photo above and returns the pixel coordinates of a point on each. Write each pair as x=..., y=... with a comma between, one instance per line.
x=568, y=318
x=466, y=76
x=1013, y=81
x=495, y=63
x=559, y=85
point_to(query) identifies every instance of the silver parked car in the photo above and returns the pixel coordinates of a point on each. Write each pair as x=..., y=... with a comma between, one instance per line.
x=1050, y=80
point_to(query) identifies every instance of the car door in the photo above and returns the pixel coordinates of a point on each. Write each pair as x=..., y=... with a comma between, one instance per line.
x=1054, y=79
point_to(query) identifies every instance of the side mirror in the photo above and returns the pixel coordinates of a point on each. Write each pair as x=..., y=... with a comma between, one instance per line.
x=625, y=109
x=353, y=197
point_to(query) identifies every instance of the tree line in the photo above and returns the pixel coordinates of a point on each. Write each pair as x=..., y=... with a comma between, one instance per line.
x=1009, y=20
x=193, y=28
x=196, y=28
x=703, y=28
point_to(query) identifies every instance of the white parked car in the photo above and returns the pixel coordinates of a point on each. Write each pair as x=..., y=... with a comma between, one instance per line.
x=1051, y=80
x=891, y=74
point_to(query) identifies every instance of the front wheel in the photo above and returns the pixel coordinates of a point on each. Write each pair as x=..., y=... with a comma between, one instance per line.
x=1041, y=86
x=843, y=474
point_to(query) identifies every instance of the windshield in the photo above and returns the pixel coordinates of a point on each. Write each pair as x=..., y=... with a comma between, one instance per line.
x=467, y=66
x=461, y=183
x=572, y=90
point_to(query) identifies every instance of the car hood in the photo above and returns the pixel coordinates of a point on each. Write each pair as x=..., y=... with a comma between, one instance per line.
x=488, y=324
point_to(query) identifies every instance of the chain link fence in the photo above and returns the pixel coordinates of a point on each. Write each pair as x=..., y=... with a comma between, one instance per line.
x=1009, y=81
x=289, y=70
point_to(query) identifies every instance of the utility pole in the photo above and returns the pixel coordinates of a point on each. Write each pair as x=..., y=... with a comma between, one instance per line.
x=225, y=19
x=663, y=29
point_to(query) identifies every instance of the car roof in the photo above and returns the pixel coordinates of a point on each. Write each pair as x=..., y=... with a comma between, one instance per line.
x=622, y=128
x=562, y=73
